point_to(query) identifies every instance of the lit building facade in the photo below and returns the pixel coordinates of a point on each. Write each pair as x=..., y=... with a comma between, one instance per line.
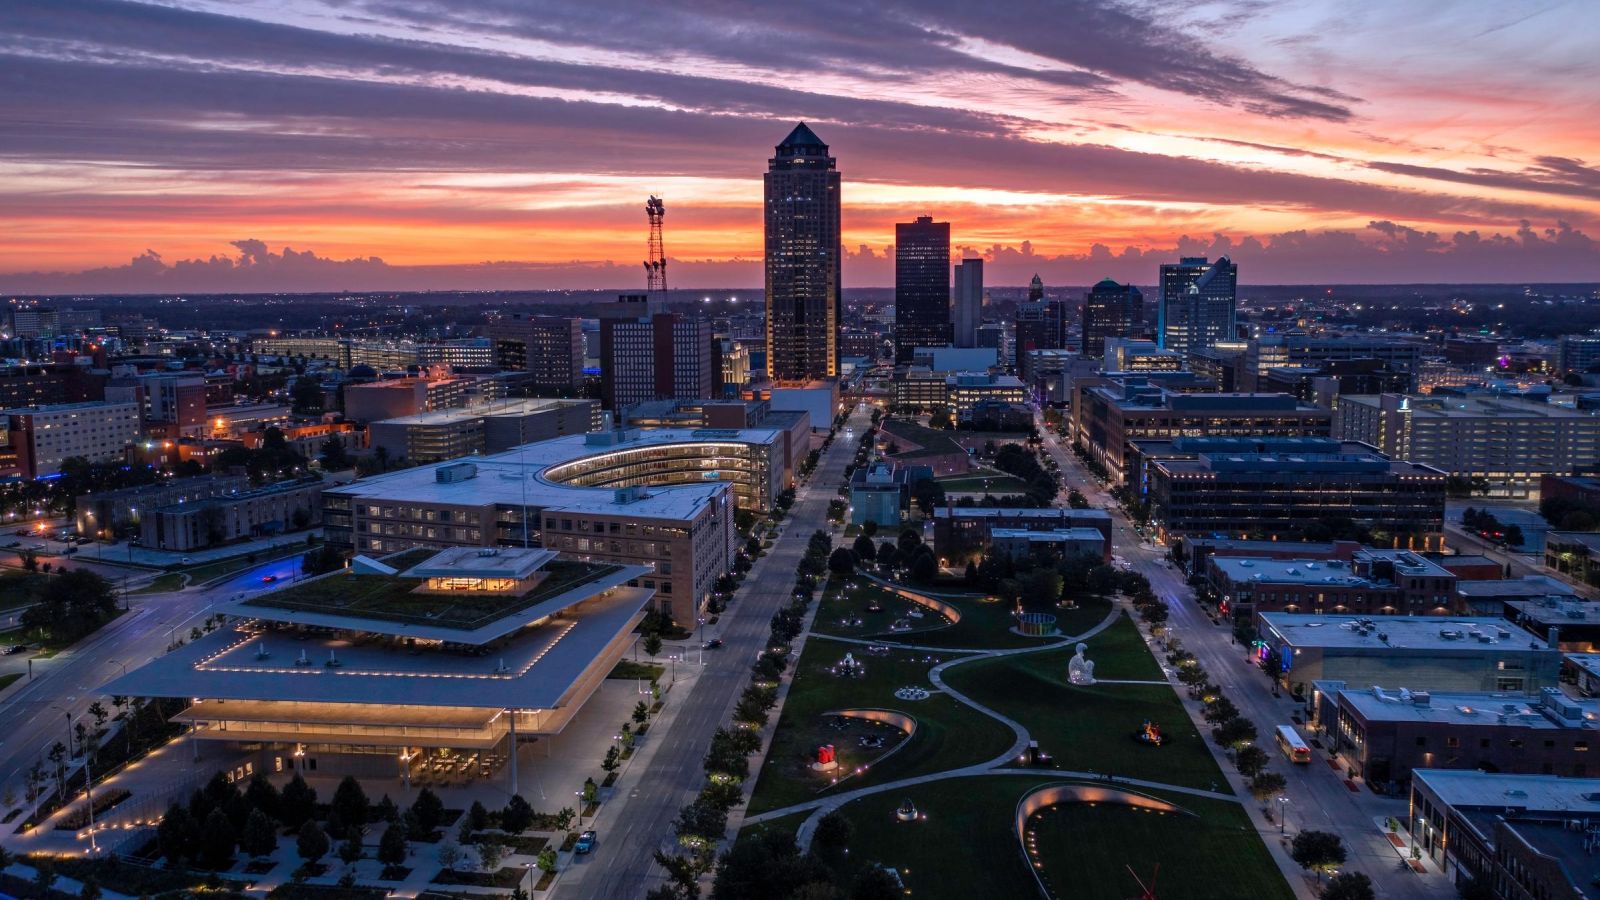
x=802, y=260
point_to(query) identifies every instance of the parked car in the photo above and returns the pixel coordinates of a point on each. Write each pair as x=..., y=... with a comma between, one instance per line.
x=585, y=844
x=69, y=551
x=713, y=644
x=16, y=648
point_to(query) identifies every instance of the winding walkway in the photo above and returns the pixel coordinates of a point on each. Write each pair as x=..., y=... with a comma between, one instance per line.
x=821, y=806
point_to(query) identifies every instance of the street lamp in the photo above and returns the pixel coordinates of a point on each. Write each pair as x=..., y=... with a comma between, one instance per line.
x=579, y=795
x=1283, y=814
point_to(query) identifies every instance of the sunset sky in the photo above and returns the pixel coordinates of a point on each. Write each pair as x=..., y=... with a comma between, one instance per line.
x=398, y=144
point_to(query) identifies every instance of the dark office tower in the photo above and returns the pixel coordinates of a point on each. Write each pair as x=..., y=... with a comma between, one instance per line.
x=646, y=354
x=921, y=286
x=802, y=260
x=1197, y=303
x=1110, y=310
x=1035, y=289
x=1041, y=325
x=967, y=302
x=551, y=347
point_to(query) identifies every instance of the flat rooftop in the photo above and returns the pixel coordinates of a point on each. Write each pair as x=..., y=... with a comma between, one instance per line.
x=1048, y=536
x=1013, y=512
x=396, y=605
x=1528, y=586
x=1269, y=464
x=517, y=476
x=1469, y=788
x=1434, y=406
x=533, y=670
x=1588, y=662
x=1460, y=634
x=519, y=407
x=1466, y=708
x=1572, y=612
x=1331, y=572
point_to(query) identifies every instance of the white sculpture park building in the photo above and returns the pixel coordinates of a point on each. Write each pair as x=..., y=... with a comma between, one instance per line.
x=388, y=667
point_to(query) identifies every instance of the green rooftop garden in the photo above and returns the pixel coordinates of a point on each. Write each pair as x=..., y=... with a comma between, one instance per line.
x=393, y=599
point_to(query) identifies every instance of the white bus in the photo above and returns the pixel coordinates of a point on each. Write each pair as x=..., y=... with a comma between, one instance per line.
x=1292, y=746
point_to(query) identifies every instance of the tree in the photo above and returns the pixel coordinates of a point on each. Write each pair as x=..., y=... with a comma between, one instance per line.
x=842, y=561
x=392, y=846
x=876, y=884
x=833, y=834
x=259, y=794
x=1234, y=733
x=1349, y=886
x=490, y=852
x=333, y=454
x=924, y=570
x=641, y=712
x=864, y=548
x=428, y=810
x=652, y=644
x=350, y=802
x=385, y=810
x=351, y=850
x=682, y=873
x=547, y=859
x=299, y=802
x=1220, y=710
x=217, y=841
x=44, y=875
x=311, y=843
x=1317, y=850
x=1267, y=785
x=477, y=817
x=517, y=816
x=612, y=762
x=1250, y=761
x=260, y=836
x=449, y=856
x=98, y=713
x=173, y=834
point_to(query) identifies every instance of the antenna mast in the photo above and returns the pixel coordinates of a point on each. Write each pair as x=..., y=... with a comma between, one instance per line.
x=655, y=267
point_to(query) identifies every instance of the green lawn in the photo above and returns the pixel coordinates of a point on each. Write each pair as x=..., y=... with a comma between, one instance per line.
x=997, y=483
x=966, y=846
x=949, y=735
x=984, y=625
x=1087, y=852
x=1091, y=728
x=7, y=680
x=930, y=441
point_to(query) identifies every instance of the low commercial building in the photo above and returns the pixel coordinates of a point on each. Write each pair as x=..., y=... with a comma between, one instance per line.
x=1197, y=551
x=378, y=400
x=388, y=668
x=1529, y=837
x=878, y=494
x=1583, y=671
x=1575, y=554
x=946, y=360
x=110, y=514
x=1275, y=495
x=1372, y=582
x=664, y=497
x=1047, y=545
x=1488, y=597
x=918, y=387
x=1142, y=454
x=1298, y=350
x=977, y=395
x=1137, y=355
x=1508, y=443
x=451, y=433
x=965, y=532
x=224, y=518
x=1443, y=654
x=1566, y=621
x=1107, y=418
x=1386, y=734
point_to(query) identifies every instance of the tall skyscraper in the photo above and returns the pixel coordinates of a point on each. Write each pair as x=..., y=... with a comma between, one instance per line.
x=1110, y=310
x=921, y=286
x=804, y=310
x=968, y=304
x=1197, y=303
x=1041, y=325
x=1036, y=289
x=646, y=354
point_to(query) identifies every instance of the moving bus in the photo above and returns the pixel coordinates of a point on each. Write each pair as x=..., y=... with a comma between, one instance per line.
x=1292, y=746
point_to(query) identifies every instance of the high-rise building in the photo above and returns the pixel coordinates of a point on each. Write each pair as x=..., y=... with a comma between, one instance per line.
x=1197, y=303
x=1036, y=289
x=804, y=309
x=1110, y=310
x=658, y=356
x=551, y=347
x=921, y=286
x=1041, y=325
x=968, y=302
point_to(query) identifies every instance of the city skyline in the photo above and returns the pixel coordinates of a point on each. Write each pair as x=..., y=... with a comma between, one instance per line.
x=1323, y=143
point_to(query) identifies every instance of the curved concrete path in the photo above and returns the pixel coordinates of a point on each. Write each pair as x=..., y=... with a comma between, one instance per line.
x=995, y=766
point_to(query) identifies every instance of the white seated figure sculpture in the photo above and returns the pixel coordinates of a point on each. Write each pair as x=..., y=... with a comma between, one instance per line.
x=1080, y=670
